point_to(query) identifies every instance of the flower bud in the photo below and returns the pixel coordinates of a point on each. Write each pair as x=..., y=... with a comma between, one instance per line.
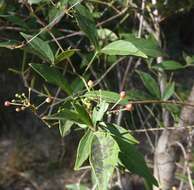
x=17, y=110
x=48, y=100
x=90, y=83
x=129, y=107
x=17, y=96
x=122, y=95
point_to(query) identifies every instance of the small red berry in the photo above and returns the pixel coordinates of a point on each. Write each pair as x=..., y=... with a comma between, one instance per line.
x=7, y=103
x=122, y=95
x=129, y=107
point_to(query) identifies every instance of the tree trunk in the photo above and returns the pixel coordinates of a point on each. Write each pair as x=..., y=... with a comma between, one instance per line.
x=165, y=153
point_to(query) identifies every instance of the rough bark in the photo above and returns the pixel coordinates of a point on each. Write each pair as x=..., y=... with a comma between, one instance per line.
x=164, y=162
x=166, y=154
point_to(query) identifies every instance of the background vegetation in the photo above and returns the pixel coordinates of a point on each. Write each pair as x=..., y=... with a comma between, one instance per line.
x=101, y=87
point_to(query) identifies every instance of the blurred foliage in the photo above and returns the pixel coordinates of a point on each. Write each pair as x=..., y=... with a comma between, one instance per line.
x=65, y=43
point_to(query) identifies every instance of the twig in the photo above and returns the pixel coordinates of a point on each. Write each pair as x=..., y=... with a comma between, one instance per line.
x=108, y=70
x=162, y=102
x=141, y=18
x=187, y=164
x=83, y=175
x=47, y=27
x=79, y=33
x=142, y=124
x=119, y=181
x=159, y=129
x=113, y=17
x=105, y=3
x=126, y=73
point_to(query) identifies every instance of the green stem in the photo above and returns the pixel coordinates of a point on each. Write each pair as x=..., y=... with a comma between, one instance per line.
x=91, y=61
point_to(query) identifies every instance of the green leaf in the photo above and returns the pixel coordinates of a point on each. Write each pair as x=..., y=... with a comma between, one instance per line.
x=16, y=20
x=64, y=55
x=188, y=59
x=41, y=47
x=107, y=96
x=173, y=109
x=64, y=127
x=84, y=149
x=134, y=161
x=121, y=47
x=148, y=46
x=36, y=1
x=86, y=58
x=106, y=34
x=99, y=112
x=169, y=91
x=103, y=159
x=78, y=84
x=3, y=6
x=120, y=132
x=86, y=23
x=83, y=114
x=56, y=12
x=169, y=65
x=76, y=186
x=65, y=114
x=150, y=84
x=53, y=76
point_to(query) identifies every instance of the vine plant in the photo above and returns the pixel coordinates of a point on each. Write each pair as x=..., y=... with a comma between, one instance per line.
x=105, y=144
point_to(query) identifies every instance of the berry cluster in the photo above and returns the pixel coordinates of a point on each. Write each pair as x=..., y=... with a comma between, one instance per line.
x=22, y=102
x=129, y=106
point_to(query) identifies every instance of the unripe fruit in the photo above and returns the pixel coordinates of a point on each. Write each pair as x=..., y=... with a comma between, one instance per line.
x=129, y=107
x=17, y=110
x=122, y=95
x=17, y=96
x=7, y=103
x=23, y=108
x=90, y=83
x=48, y=100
